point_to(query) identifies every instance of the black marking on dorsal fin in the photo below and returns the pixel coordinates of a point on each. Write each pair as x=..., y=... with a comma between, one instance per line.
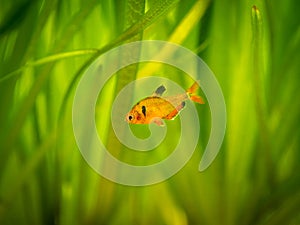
x=159, y=91
x=144, y=110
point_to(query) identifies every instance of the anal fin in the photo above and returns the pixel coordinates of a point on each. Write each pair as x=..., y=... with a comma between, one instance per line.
x=174, y=113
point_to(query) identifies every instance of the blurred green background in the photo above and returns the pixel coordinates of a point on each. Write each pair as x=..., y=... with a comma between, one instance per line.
x=46, y=45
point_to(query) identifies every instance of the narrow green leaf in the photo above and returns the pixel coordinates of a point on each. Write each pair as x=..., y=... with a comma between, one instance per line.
x=261, y=111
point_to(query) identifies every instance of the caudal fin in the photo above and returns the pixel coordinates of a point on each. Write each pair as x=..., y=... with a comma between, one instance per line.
x=191, y=91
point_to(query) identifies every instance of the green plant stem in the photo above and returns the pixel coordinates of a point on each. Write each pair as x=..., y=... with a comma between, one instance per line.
x=261, y=111
x=49, y=59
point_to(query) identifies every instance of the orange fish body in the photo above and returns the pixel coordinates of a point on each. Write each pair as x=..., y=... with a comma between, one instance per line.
x=155, y=108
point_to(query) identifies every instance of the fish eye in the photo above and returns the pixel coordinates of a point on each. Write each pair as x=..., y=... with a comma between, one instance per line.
x=130, y=117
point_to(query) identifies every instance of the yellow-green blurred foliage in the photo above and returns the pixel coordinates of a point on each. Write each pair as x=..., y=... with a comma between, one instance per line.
x=46, y=45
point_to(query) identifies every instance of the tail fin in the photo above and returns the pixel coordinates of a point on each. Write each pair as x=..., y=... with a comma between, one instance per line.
x=191, y=91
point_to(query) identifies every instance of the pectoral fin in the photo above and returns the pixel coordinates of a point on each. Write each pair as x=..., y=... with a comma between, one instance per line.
x=159, y=122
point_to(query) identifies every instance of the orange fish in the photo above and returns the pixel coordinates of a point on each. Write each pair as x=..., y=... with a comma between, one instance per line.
x=155, y=108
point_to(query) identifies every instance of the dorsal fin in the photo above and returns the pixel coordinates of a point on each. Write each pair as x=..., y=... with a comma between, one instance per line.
x=159, y=91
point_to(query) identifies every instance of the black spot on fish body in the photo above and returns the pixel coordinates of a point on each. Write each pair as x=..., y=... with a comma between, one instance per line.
x=144, y=110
